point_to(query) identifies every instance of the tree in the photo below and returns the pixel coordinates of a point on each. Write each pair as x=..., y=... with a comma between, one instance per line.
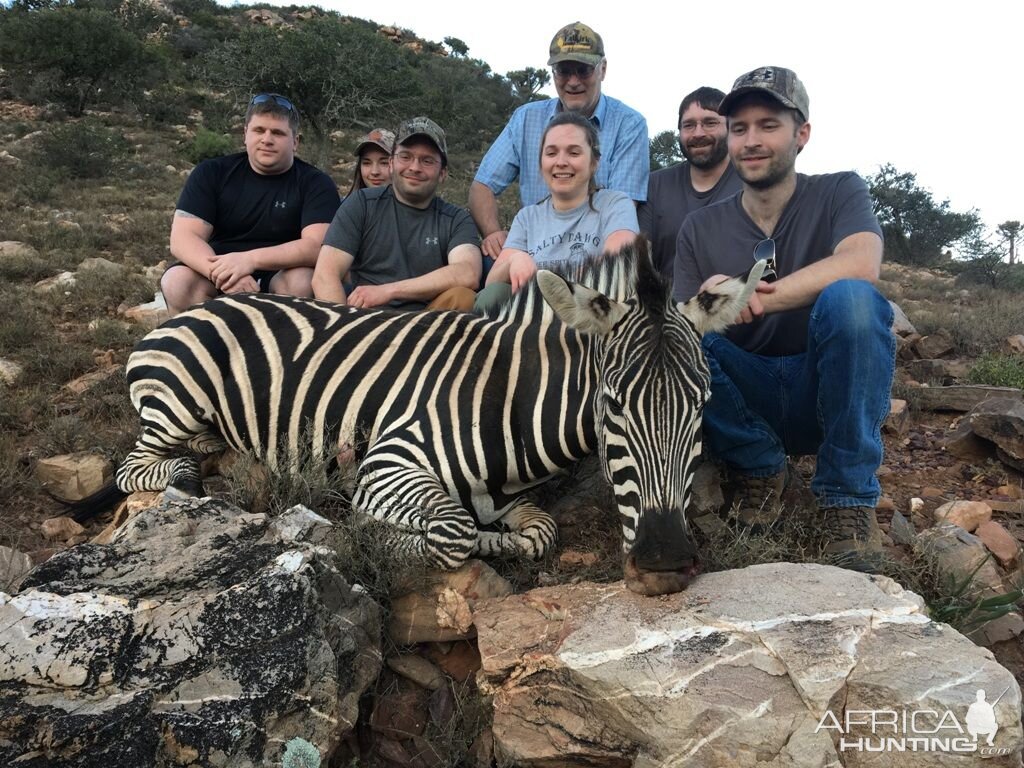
x=527, y=83
x=665, y=150
x=456, y=46
x=73, y=56
x=1010, y=231
x=916, y=228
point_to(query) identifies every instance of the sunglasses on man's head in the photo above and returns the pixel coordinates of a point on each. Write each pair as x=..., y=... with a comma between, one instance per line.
x=276, y=98
x=565, y=69
x=766, y=250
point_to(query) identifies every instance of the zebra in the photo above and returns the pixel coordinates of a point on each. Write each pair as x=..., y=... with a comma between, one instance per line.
x=451, y=417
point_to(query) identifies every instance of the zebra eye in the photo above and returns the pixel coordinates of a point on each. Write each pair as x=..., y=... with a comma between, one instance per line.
x=612, y=406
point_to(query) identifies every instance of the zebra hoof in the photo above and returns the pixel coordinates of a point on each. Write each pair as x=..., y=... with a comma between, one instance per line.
x=180, y=494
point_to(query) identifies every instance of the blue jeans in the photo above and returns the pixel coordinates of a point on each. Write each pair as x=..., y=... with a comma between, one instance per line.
x=830, y=400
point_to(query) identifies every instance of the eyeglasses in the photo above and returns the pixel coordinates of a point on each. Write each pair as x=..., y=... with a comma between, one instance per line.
x=765, y=250
x=565, y=69
x=426, y=161
x=276, y=98
x=709, y=124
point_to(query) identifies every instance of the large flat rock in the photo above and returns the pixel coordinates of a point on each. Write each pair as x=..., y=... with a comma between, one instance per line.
x=748, y=667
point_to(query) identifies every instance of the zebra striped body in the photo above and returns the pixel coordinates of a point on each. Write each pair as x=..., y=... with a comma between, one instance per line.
x=450, y=416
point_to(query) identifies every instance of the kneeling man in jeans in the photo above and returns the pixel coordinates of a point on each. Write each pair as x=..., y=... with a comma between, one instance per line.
x=809, y=368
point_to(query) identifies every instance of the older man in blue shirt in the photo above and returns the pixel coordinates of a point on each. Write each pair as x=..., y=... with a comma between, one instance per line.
x=579, y=65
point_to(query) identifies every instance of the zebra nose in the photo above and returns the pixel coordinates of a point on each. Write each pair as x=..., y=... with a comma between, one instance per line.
x=662, y=543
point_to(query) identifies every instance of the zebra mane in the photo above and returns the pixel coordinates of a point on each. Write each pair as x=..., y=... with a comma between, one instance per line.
x=618, y=276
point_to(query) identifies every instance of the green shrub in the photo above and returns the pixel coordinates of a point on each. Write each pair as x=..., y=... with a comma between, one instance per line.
x=81, y=150
x=998, y=371
x=208, y=144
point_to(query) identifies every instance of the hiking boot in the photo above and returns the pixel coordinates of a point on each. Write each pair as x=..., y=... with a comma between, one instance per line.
x=757, y=501
x=852, y=538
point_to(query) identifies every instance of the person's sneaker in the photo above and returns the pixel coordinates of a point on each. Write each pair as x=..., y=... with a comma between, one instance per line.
x=757, y=501
x=852, y=538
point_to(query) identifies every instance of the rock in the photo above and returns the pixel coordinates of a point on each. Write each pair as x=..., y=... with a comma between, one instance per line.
x=136, y=502
x=151, y=314
x=898, y=420
x=571, y=558
x=61, y=282
x=916, y=505
x=935, y=372
x=460, y=660
x=400, y=713
x=706, y=494
x=10, y=372
x=958, y=556
x=89, y=380
x=902, y=530
x=61, y=528
x=101, y=266
x=960, y=397
x=200, y=636
x=1013, y=491
x=963, y=443
x=905, y=349
x=6, y=158
x=1015, y=344
x=444, y=610
x=73, y=476
x=727, y=673
x=938, y=344
x=931, y=492
x=1002, y=422
x=417, y=669
x=901, y=324
x=155, y=272
x=1011, y=461
x=13, y=565
x=1000, y=543
x=14, y=249
x=1009, y=507
x=967, y=514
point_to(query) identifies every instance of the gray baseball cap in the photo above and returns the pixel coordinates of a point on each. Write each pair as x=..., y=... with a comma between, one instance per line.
x=778, y=82
x=423, y=126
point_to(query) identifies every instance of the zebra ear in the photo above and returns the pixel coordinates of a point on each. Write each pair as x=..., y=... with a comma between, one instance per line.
x=579, y=307
x=716, y=308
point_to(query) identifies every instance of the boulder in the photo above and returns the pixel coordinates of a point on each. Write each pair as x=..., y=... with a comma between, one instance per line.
x=87, y=381
x=901, y=324
x=938, y=344
x=443, y=609
x=13, y=565
x=1015, y=344
x=13, y=249
x=101, y=266
x=964, y=444
x=1001, y=421
x=960, y=397
x=731, y=673
x=73, y=476
x=1000, y=542
x=201, y=635
x=61, y=528
x=967, y=514
x=150, y=314
x=61, y=282
x=898, y=420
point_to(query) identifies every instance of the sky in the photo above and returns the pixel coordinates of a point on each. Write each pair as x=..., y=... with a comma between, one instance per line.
x=926, y=86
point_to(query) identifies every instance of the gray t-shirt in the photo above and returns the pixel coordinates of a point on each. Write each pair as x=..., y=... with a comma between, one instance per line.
x=390, y=241
x=720, y=239
x=550, y=235
x=670, y=199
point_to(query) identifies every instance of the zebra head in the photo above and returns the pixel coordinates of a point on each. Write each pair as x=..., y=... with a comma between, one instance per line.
x=652, y=384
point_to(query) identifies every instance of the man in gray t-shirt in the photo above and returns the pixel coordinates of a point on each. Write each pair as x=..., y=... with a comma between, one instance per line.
x=401, y=245
x=809, y=367
x=705, y=177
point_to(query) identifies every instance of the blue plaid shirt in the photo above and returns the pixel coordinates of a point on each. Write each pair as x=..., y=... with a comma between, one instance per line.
x=625, y=157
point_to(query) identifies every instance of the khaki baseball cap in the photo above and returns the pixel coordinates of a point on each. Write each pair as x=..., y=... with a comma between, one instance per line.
x=778, y=82
x=378, y=137
x=423, y=126
x=577, y=42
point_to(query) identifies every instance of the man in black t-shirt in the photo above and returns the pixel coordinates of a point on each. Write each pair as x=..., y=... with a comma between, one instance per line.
x=705, y=177
x=251, y=221
x=809, y=367
x=401, y=245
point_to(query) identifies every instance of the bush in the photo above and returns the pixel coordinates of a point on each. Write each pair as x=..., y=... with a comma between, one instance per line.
x=72, y=55
x=208, y=144
x=81, y=150
x=998, y=371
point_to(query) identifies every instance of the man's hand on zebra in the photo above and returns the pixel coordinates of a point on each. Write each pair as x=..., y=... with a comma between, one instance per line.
x=368, y=296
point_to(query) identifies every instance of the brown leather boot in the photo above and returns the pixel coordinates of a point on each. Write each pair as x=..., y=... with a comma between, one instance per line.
x=852, y=538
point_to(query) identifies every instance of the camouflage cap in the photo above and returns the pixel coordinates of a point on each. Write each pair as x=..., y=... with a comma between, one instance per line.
x=378, y=137
x=778, y=82
x=577, y=42
x=423, y=126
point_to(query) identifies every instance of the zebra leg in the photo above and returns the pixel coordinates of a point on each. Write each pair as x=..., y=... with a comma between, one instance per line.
x=530, y=531
x=427, y=522
x=147, y=467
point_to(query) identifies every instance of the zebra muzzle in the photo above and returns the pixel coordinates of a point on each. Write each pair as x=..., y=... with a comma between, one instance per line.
x=650, y=583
